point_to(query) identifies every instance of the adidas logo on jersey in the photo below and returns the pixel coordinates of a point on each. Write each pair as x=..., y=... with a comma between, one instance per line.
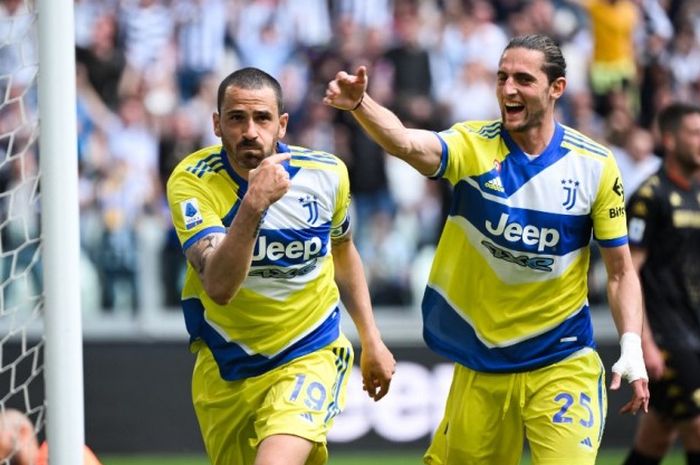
x=528, y=234
x=495, y=184
x=292, y=250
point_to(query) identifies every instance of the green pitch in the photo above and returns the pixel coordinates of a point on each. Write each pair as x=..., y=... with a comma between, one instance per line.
x=607, y=457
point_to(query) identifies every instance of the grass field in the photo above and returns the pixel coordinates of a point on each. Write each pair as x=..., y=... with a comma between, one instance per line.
x=379, y=458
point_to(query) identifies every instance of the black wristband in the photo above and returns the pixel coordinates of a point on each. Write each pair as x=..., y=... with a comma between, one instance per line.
x=358, y=103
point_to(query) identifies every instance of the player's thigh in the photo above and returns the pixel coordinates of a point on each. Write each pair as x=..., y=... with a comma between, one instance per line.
x=565, y=411
x=306, y=395
x=482, y=424
x=677, y=395
x=283, y=449
x=225, y=412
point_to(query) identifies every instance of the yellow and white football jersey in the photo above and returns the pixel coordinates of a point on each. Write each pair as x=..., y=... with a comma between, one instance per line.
x=508, y=289
x=288, y=304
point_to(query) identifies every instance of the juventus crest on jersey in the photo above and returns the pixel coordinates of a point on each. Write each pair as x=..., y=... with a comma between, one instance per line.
x=523, y=225
x=288, y=304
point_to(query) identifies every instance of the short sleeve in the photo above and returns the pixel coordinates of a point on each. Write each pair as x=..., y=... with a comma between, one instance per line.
x=340, y=224
x=193, y=213
x=608, y=212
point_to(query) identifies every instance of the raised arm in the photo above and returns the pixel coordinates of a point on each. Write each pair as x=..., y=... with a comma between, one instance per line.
x=419, y=148
x=625, y=300
x=376, y=362
x=223, y=260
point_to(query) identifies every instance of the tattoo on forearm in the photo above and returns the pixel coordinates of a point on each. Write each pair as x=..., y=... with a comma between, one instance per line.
x=200, y=251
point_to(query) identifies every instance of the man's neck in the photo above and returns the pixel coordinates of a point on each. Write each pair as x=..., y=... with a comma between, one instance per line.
x=534, y=140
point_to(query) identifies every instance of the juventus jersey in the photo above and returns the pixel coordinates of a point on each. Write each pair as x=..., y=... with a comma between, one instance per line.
x=288, y=304
x=507, y=290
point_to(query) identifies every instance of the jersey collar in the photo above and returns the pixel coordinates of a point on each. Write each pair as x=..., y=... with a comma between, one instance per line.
x=546, y=157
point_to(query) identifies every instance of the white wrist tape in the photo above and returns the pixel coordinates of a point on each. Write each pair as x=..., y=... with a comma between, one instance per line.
x=630, y=365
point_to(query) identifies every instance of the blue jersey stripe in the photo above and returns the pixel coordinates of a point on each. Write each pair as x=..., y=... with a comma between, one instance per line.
x=578, y=142
x=211, y=163
x=315, y=159
x=341, y=230
x=574, y=231
x=234, y=363
x=212, y=229
x=312, y=154
x=491, y=130
x=613, y=242
x=601, y=404
x=228, y=219
x=450, y=335
x=443, y=158
x=595, y=146
x=342, y=363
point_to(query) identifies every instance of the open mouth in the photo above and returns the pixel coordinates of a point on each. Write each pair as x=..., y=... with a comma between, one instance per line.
x=513, y=109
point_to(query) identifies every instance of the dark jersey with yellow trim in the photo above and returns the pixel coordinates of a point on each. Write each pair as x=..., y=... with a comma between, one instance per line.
x=664, y=219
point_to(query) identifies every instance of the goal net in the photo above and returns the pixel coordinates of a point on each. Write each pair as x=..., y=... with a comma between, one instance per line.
x=40, y=327
x=21, y=344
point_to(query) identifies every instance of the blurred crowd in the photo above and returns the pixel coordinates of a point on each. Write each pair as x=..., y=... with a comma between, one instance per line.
x=148, y=70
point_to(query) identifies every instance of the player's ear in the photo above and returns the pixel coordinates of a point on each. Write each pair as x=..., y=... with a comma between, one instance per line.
x=668, y=140
x=216, y=120
x=556, y=88
x=284, y=119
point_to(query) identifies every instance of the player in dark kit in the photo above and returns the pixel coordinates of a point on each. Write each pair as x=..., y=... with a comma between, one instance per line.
x=664, y=234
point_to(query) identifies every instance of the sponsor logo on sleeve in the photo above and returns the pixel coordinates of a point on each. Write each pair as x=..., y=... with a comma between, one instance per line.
x=190, y=213
x=617, y=188
x=617, y=212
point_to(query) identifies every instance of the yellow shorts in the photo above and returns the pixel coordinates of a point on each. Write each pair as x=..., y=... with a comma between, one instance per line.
x=300, y=398
x=560, y=409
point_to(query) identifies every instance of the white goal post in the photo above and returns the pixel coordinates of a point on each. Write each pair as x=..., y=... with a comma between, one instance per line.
x=40, y=308
x=60, y=248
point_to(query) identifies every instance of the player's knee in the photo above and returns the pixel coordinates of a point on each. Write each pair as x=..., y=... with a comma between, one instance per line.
x=655, y=445
x=655, y=435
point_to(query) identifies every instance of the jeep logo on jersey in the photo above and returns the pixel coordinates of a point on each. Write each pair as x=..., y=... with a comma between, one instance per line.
x=528, y=234
x=286, y=253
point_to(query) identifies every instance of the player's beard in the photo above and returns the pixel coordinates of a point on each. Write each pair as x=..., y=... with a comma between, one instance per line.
x=248, y=155
x=688, y=160
x=531, y=120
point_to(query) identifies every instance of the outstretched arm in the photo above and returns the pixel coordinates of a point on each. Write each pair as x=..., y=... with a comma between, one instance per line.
x=625, y=300
x=223, y=260
x=419, y=148
x=376, y=363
